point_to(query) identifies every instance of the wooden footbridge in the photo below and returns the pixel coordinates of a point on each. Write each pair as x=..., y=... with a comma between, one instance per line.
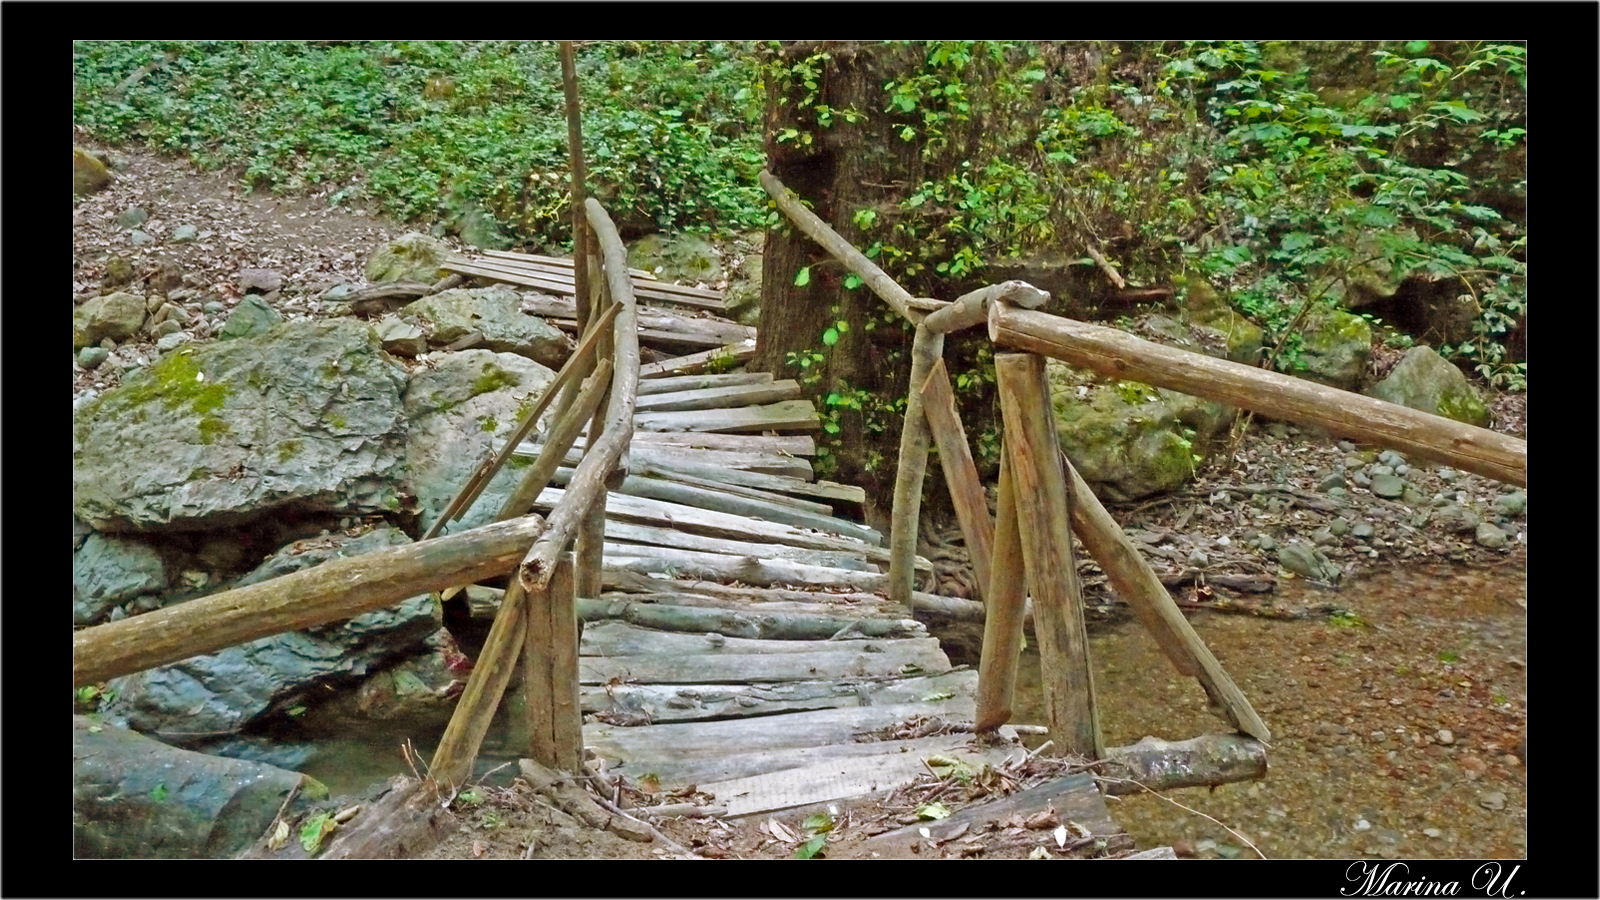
x=744, y=632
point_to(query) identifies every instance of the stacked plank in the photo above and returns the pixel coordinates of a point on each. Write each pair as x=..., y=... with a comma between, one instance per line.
x=672, y=328
x=743, y=642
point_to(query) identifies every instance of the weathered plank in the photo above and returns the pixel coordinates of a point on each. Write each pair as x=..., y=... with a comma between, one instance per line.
x=780, y=444
x=699, y=751
x=856, y=609
x=731, y=355
x=701, y=382
x=720, y=397
x=556, y=263
x=662, y=704
x=516, y=273
x=613, y=637
x=1073, y=797
x=785, y=415
x=774, y=483
x=709, y=331
x=846, y=779
x=671, y=537
x=893, y=657
x=728, y=487
x=645, y=511
x=743, y=569
x=645, y=451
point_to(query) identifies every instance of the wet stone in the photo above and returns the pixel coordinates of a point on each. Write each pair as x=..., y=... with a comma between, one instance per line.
x=1490, y=536
x=1339, y=527
x=1380, y=469
x=1512, y=504
x=1332, y=481
x=1387, y=485
x=1359, y=479
x=1346, y=446
x=1363, y=530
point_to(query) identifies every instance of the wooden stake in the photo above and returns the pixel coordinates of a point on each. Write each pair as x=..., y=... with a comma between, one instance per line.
x=550, y=664
x=960, y=473
x=925, y=348
x=560, y=441
x=458, y=749
x=1005, y=597
x=1041, y=496
x=1134, y=581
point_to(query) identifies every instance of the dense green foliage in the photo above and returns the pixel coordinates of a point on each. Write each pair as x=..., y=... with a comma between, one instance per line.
x=1239, y=161
x=428, y=129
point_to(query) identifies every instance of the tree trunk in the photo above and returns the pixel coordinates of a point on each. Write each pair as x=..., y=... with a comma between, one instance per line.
x=843, y=168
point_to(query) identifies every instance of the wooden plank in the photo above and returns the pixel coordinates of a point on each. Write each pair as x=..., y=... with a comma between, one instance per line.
x=1074, y=798
x=662, y=704
x=700, y=382
x=744, y=569
x=726, y=501
x=672, y=537
x=960, y=473
x=892, y=658
x=858, y=609
x=850, y=779
x=649, y=470
x=1346, y=414
x=645, y=511
x=664, y=324
x=730, y=355
x=560, y=263
x=780, y=444
x=614, y=638
x=719, y=397
x=774, y=483
x=786, y=415
x=699, y=751
x=1040, y=489
x=651, y=453
x=541, y=279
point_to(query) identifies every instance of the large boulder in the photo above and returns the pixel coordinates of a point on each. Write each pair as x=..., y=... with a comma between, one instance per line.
x=1335, y=348
x=680, y=257
x=108, y=570
x=117, y=316
x=225, y=691
x=136, y=798
x=1130, y=440
x=305, y=417
x=88, y=173
x=456, y=410
x=1425, y=380
x=410, y=257
x=496, y=313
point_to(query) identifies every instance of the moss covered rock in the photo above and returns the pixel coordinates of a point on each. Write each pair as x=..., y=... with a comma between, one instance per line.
x=1426, y=381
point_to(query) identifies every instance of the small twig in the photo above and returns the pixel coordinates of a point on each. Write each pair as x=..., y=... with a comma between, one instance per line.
x=654, y=832
x=1106, y=267
x=286, y=801
x=1195, y=811
x=838, y=635
x=1038, y=750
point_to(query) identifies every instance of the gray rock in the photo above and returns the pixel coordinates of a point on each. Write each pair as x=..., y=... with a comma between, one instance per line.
x=1411, y=496
x=109, y=570
x=402, y=338
x=1323, y=537
x=213, y=307
x=259, y=281
x=1511, y=505
x=140, y=239
x=1308, y=562
x=228, y=690
x=496, y=313
x=1447, y=475
x=137, y=798
x=1359, y=479
x=410, y=257
x=1339, y=527
x=1380, y=469
x=338, y=292
x=456, y=410
x=1129, y=440
x=253, y=316
x=92, y=357
x=1391, y=458
x=1337, y=493
x=1336, y=348
x=132, y=218
x=183, y=234
x=1456, y=519
x=1402, y=470
x=1425, y=381
x=1346, y=446
x=306, y=416
x=172, y=340
x=1363, y=530
x=1493, y=800
x=686, y=257
x=1388, y=486
x=1490, y=536
x=1267, y=542
x=117, y=316
x=1197, y=559
x=162, y=329
x=1334, y=480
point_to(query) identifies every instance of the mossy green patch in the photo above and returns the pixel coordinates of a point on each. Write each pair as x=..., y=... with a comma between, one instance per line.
x=493, y=379
x=490, y=425
x=1463, y=406
x=288, y=449
x=198, y=474
x=176, y=382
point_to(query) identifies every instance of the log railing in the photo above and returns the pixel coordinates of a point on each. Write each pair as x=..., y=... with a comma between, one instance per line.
x=1029, y=545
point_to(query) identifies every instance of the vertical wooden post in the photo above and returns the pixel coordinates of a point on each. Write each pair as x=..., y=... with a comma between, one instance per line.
x=927, y=347
x=1041, y=495
x=590, y=540
x=550, y=667
x=1005, y=601
x=966, y=490
x=458, y=749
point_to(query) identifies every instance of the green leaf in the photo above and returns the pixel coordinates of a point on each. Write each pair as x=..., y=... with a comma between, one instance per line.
x=313, y=831
x=802, y=277
x=830, y=337
x=934, y=810
x=1415, y=47
x=852, y=281
x=812, y=848
x=159, y=794
x=818, y=822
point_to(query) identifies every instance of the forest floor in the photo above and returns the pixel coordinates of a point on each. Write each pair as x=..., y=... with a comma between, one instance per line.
x=1267, y=484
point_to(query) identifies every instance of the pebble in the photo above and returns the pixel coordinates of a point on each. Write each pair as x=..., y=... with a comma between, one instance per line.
x=1198, y=559
x=1494, y=800
x=1375, y=471
x=1490, y=536
x=1332, y=481
x=1445, y=736
x=1391, y=458
x=140, y=239
x=1473, y=766
x=184, y=234
x=1447, y=474
x=1433, y=832
x=1512, y=504
x=1360, y=479
x=1363, y=530
x=1267, y=543
x=89, y=357
x=1386, y=485
x=1337, y=493
x=1346, y=446
x=1339, y=526
x=1363, y=825
x=178, y=338
x=1402, y=470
